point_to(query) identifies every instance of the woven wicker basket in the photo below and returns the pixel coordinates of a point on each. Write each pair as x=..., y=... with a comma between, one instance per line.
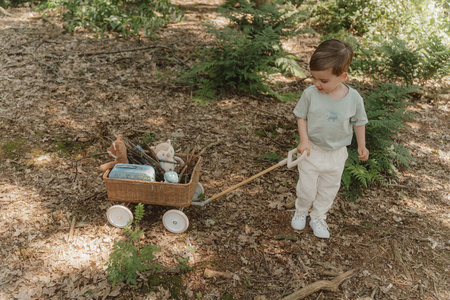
x=159, y=193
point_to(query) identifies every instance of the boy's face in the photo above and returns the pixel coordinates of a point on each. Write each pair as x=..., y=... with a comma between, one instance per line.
x=326, y=82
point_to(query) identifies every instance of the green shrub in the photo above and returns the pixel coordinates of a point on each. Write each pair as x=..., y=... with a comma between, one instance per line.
x=12, y=3
x=406, y=40
x=125, y=17
x=283, y=19
x=371, y=17
x=386, y=111
x=127, y=257
x=243, y=56
x=236, y=62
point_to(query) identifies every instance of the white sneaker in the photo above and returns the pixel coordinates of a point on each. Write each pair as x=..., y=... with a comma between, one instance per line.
x=298, y=220
x=320, y=228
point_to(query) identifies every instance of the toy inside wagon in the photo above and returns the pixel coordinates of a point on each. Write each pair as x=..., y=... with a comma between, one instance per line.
x=142, y=183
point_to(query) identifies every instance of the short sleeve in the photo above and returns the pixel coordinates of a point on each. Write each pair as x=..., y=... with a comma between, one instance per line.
x=302, y=107
x=360, y=117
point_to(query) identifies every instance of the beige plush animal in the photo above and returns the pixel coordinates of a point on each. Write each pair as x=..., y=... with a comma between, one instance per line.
x=166, y=155
x=118, y=151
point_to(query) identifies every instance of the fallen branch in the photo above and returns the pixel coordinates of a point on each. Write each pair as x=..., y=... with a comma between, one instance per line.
x=276, y=142
x=117, y=51
x=399, y=259
x=218, y=274
x=290, y=204
x=209, y=146
x=72, y=228
x=3, y=11
x=126, y=50
x=328, y=285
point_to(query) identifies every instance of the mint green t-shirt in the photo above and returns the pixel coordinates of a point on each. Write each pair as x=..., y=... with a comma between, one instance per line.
x=330, y=121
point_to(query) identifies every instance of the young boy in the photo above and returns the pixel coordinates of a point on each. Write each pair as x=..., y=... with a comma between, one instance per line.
x=327, y=113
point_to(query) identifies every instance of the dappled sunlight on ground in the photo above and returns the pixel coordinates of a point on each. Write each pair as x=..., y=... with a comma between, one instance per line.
x=19, y=206
x=395, y=238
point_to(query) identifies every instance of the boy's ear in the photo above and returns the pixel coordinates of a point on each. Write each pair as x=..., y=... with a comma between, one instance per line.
x=343, y=76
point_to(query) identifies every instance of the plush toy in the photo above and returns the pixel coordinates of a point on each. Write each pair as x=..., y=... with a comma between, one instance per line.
x=166, y=156
x=118, y=151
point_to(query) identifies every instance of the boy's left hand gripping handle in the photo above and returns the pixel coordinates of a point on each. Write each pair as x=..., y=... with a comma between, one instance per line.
x=289, y=160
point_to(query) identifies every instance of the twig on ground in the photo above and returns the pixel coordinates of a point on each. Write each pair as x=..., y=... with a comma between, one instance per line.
x=303, y=264
x=3, y=11
x=16, y=65
x=399, y=259
x=72, y=227
x=129, y=50
x=278, y=143
x=299, y=262
x=209, y=146
x=25, y=43
x=218, y=274
x=290, y=204
x=328, y=285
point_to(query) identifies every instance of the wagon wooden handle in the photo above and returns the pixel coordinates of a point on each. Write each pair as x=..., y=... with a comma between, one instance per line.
x=245, y=182
x=288, y=161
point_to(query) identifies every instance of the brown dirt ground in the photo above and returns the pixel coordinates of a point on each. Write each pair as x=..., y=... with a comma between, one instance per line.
x=62, y=99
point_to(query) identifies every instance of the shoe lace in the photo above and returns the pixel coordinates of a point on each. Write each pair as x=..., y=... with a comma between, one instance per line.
x=321, y=224
x=298, y=216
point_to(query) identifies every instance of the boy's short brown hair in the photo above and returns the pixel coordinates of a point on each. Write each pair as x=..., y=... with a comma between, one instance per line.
x=332, y=54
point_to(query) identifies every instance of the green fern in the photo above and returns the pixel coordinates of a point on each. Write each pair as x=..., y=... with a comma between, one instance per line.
x=386, y=110
x=127, y=257
x=245, y=54
x=139, y=213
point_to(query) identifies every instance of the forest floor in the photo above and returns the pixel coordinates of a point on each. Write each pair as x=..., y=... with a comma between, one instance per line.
x=65, y=96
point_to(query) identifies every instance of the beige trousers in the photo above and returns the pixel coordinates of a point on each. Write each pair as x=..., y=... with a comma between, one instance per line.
x=319, y=180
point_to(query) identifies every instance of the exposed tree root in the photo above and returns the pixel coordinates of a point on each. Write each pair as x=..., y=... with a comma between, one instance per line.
x=3, y=11
x=328, y=285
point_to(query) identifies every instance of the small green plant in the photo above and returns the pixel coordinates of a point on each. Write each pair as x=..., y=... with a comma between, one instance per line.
x=386, y=111
x=183, y=266
x=125, y=17
x=68, y=147
x=148, y=138
x=13, y=145
x=128, y=257
x=271, y=156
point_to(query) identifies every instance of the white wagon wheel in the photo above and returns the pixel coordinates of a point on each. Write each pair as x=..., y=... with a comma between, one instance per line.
x=119, y=216
x=175, y=221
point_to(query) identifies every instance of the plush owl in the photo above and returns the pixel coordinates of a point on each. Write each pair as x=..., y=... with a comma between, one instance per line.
x=118, y=151
x=166, y=156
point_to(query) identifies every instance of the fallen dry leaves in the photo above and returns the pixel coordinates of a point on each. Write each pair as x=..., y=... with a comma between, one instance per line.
x=59, y=104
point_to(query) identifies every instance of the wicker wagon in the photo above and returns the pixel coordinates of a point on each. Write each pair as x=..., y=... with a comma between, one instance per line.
x=181, y=195
x=158, y=193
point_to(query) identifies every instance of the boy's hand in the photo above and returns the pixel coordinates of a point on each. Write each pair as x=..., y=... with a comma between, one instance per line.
x=363, y=153
x=304, y=147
